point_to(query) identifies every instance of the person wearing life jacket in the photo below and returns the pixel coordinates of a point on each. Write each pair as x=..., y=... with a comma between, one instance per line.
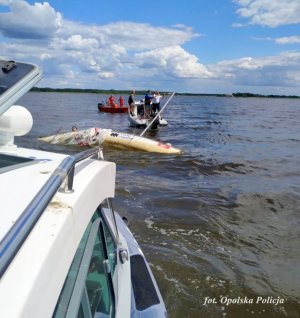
x=121, y=101
x=111, y=101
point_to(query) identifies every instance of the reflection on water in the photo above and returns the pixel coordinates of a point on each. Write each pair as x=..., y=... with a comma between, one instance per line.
x=220, y=221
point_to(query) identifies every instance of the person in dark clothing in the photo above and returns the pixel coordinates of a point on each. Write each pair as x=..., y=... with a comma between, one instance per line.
x=148, y=99
x=131, y=103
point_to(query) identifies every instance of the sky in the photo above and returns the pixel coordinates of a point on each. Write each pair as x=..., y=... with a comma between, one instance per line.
x=185, y=46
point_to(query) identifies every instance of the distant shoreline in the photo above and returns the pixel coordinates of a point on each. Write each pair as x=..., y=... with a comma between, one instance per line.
x=127, y=92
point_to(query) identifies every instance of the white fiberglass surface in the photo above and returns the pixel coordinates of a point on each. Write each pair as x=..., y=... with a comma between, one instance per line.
x=19, y=186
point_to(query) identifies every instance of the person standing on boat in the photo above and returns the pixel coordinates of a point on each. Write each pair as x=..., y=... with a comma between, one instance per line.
x=148, y=99
x=121, y=101
x=131, y=103
x=156, y=102
x=111, y=101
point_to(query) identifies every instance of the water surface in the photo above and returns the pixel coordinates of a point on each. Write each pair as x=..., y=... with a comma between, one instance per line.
x=221, y=220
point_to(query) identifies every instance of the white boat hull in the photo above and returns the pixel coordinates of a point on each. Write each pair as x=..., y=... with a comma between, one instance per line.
x=136, y=119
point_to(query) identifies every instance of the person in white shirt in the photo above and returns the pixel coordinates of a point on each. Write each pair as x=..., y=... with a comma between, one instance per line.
x=156, y=102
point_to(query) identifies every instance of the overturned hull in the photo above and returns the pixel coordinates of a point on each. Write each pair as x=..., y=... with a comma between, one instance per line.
x=96, y=136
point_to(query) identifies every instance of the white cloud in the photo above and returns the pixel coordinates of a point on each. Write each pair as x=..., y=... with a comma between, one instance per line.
x=278, y=70
x=130, y=35
x=288, y=40
x=27, y=21
x=139, y=36
x=247, y=63
x=74, y=42
x=271, y=13
x=106, y=75
x=5, y=2
x=173, y=61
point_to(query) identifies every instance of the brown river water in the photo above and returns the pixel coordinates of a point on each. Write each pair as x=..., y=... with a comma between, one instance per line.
x=219, y=224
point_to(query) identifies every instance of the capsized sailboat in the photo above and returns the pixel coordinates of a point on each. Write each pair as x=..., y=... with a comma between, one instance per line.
x=95, y=136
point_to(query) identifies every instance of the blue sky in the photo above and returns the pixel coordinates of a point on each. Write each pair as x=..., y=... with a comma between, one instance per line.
x=195, y=46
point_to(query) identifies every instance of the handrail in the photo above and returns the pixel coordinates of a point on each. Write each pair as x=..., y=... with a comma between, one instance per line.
x=13, y=240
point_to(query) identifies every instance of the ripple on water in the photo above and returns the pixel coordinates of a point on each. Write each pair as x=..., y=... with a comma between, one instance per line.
x=220, y=219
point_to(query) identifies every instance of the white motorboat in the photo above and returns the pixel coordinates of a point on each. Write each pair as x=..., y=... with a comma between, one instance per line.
x=139, y=118
x=64, y=252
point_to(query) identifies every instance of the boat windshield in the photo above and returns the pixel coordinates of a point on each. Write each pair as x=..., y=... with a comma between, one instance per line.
x=15, y=80
x=10, y=162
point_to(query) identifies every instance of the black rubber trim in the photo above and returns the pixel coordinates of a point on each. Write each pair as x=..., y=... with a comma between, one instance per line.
x=144, y=291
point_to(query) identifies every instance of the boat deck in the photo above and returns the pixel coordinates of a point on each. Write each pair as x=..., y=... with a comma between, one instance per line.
x=42, y=223
x=29, y=170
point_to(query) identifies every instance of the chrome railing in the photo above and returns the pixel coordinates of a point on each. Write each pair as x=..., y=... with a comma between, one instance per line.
x=63, y=174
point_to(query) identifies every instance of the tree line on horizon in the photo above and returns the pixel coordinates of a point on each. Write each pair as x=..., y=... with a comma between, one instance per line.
x=143, y=92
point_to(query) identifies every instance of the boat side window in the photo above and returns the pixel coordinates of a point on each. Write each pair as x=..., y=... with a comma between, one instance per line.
x=88, y=288
x=110, y=237
x=107, y=213
x=98, y=281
